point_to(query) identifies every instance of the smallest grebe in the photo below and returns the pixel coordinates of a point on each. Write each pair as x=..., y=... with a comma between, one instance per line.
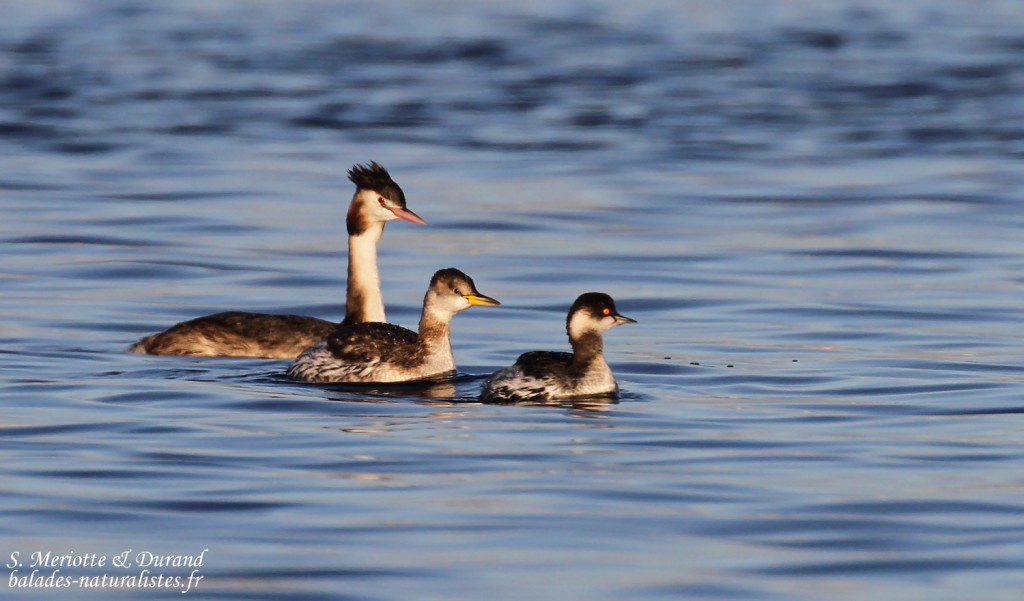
x=549, y=375
x=374, y=352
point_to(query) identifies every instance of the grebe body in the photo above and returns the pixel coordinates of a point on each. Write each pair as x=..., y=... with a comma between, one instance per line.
x=384, y=352
x=547, y=375
x=377, y=200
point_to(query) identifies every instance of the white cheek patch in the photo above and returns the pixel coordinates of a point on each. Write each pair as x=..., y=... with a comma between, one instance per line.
x=579, y=323
x=582, y=322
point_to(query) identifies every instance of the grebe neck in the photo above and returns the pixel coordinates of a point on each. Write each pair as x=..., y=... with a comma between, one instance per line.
x=587, y=348
x=435, y=330
x=363, y=301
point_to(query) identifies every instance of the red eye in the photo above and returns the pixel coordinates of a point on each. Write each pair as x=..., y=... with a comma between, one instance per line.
x=606, y=311
x=380, y=199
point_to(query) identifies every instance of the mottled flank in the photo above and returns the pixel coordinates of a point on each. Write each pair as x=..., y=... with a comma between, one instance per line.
x=550, y=375
x=238, y=334
x=536, y=375
x=383, y=352
x=365, y=352
x=540, y=376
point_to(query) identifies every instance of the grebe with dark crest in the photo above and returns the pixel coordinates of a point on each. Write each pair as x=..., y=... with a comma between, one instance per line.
x=377, y=200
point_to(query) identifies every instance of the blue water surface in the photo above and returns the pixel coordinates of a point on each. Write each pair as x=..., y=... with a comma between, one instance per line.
x=813, y=210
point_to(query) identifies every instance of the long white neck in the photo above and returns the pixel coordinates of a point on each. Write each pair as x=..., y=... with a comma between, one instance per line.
x=363, y=301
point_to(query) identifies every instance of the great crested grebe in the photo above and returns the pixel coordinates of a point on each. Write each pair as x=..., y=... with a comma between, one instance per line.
x=549, y=375
x=377, y=200
x=383, y=352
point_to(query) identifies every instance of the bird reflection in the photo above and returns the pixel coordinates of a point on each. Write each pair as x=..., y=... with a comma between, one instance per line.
x=380, y=393
x=596, y=403
x=458, y=391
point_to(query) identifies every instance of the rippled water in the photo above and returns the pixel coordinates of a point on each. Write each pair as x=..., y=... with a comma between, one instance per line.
x=815, y=213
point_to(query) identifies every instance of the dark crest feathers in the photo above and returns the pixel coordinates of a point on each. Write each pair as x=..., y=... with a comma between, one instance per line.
x=370, y=177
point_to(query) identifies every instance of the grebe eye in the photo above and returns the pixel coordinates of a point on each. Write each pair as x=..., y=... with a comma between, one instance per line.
x=606, y=311
x=380, y=199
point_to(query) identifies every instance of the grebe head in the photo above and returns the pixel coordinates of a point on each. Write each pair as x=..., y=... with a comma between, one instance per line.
x=378, y=199
x=452, y=291
x=593, y=312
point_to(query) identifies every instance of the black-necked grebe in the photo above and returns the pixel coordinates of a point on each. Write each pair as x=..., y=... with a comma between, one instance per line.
x=548, y=375
x=383, y=352
x=377, y=200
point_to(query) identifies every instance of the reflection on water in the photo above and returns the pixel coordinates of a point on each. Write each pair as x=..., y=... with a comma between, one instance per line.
x=442, y=388
x=583, y=405
x=814, y=211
